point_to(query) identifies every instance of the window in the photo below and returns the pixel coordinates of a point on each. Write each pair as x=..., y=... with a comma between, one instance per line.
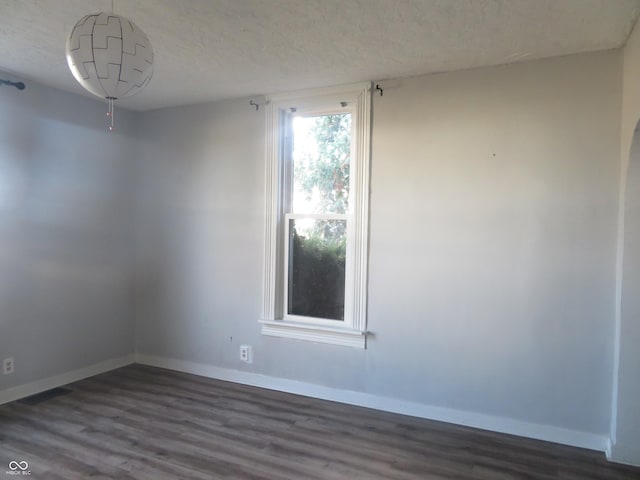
x=316, y=233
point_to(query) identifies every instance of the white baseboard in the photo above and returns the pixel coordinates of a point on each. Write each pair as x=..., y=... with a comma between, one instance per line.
x=510, y=426
x=21, y=391
x=621, y=453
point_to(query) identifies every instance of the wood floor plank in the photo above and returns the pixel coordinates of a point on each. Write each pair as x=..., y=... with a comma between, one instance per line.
x=142, y=423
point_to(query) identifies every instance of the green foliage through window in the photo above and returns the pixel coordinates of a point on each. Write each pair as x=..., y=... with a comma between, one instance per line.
x=322, y=153
x=317, y=276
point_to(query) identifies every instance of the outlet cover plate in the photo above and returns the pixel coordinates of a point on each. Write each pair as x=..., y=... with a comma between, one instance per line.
x=7, y=366
x=246, y=353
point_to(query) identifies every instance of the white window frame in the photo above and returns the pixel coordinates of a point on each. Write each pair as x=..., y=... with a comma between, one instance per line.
x=354, y=99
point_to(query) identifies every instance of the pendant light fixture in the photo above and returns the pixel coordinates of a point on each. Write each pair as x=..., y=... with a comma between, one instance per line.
x=110, y=57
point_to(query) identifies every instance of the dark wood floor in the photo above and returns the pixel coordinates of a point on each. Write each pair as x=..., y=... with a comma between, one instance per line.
x=149, y=423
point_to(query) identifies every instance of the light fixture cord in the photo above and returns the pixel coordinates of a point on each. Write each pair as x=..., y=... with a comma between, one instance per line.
x=111, y=114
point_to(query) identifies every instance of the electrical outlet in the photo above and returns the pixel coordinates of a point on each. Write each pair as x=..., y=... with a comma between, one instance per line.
x=7, y=366
x=246, y=353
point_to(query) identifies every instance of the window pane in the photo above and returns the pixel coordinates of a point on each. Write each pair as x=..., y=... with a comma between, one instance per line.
x=317, y=268
x=321, y=157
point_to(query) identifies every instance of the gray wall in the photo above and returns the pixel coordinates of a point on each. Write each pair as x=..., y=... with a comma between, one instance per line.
x=493, y=239
x=493, y=243
x=199, y=236
x=66, y=233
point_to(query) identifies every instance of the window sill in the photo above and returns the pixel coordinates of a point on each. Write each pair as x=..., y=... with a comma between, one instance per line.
x=314, y=333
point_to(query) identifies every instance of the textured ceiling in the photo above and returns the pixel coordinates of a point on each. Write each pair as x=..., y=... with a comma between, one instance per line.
x=215, y=49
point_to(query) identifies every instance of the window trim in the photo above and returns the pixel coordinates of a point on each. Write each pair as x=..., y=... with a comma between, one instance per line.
x=351, y=333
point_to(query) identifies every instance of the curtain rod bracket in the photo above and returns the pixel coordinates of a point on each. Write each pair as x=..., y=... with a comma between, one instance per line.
x=18, y=85
x=258, y=101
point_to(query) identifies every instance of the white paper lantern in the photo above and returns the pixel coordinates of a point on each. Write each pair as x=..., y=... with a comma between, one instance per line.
x=109, y=55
